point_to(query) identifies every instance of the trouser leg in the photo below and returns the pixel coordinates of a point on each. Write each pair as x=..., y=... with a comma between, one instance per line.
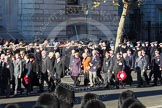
x=94, y=75
x=44, y=77
x=99, y=75
x=106, y=79
x=51, y=84
x=86, y=79
x=16, y=85
x=75, y=80
x=8, y=88
x=90, y=78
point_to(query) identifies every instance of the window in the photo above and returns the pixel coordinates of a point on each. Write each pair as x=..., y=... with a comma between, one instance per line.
x=160, y=21
x=72, y=2
x=73, y=7
x=76, y=30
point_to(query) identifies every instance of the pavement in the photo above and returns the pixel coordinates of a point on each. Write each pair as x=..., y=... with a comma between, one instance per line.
x=151, y=97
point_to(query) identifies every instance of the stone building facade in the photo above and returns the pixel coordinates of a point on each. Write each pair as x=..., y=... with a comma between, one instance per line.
x=145, y=23
x=152, y=20
x=64, y=19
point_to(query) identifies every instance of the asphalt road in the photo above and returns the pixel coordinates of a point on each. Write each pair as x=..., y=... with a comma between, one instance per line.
x=149, y=96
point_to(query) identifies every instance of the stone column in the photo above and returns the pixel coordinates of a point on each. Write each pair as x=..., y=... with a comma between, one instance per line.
x=10, y=15
x=1, y=12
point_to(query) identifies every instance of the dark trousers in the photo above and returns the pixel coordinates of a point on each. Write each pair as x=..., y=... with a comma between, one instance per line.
x=51, y=84
x=12, y=84
x=28, y=86
x=75, y=79
x=58, y=79
x=86, y=79
x=1, y=86
x=128, y=79
x=157, y=75
x=142, y=77
x=5, y=86
x=116, y=79
x=99, y=75
x=44, y=77
x=151, y=74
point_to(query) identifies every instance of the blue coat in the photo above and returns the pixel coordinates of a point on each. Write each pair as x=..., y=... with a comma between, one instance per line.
x=95, y=61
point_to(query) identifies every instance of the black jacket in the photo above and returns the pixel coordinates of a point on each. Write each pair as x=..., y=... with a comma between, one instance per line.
x=106, y=64
x=59, y=68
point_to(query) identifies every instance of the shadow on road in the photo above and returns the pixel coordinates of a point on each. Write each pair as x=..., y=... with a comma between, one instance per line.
x=104, y=97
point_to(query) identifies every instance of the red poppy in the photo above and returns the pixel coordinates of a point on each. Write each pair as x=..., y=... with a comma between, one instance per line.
x=121, y=75
x=27, y=80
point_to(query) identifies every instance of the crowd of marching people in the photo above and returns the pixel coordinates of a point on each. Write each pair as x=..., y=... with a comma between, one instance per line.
x=33, y=64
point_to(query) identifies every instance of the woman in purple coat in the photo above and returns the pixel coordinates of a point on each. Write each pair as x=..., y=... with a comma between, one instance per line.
x=75, y=69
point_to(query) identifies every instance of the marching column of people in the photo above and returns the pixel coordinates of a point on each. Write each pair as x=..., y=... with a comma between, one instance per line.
x=98, y=62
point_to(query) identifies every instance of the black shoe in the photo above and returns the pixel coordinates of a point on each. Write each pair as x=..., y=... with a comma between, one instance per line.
x=22, y=90
x=78, y=83
x=7, y=96
x=106, y=86
x=15, y=95
x=117, y=87
x=154, y=85
x=138, y=86
x=91, y=86
x=28, y=93
x=161, y=81
x=102, y=81
x=40, y=91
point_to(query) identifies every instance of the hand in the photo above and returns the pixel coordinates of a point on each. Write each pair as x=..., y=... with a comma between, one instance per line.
x=88, y=67
x=19, y=76
x=132, y=69
x=143, y=70
x=101, y=72
x=11, y=80
x=48, y=71
x=94, y=67
x=49, y=77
